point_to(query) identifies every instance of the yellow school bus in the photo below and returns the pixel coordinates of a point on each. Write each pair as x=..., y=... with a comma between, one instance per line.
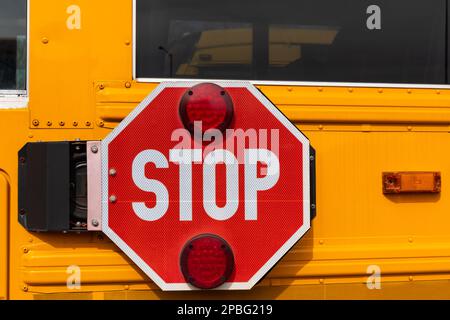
x=368, y=84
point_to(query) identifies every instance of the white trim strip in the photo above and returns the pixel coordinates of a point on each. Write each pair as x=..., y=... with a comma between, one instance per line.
x=306, y=83
x=13, y=92
x=11, y=102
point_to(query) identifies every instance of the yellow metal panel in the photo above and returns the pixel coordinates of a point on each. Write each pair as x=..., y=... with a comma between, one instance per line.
x=309, y=105
x=4, y=211
x=63, y=61
x=60, y=66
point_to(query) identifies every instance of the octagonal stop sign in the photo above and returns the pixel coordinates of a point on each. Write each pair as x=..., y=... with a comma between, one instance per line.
x=205, y=185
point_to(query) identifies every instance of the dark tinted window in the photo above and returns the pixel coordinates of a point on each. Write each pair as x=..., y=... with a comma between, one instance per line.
x=293, y=40
x=13, y=30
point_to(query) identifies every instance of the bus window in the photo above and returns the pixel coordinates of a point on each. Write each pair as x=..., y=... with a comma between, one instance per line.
x=13, y=46
x=402, y=41
x=216, y=44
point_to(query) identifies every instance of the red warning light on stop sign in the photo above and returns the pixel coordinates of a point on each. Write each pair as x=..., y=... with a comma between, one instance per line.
x=210, y=185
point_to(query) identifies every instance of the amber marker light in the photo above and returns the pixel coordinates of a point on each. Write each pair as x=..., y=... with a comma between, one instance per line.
x=411, y=182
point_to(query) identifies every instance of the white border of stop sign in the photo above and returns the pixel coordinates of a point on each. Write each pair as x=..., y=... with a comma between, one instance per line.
x=281, y=251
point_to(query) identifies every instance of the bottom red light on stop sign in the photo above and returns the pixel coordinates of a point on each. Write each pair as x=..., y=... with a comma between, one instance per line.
x=207, y=261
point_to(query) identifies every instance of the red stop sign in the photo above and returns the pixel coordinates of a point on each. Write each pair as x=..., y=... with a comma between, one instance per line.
x=210, y=159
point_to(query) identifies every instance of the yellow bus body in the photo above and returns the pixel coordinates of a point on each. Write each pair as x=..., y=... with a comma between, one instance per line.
x=81, y=86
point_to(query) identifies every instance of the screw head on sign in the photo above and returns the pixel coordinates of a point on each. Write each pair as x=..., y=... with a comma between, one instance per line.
x=95, y=222
x=94, y=149
x=112, y=198
x=112, y=172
